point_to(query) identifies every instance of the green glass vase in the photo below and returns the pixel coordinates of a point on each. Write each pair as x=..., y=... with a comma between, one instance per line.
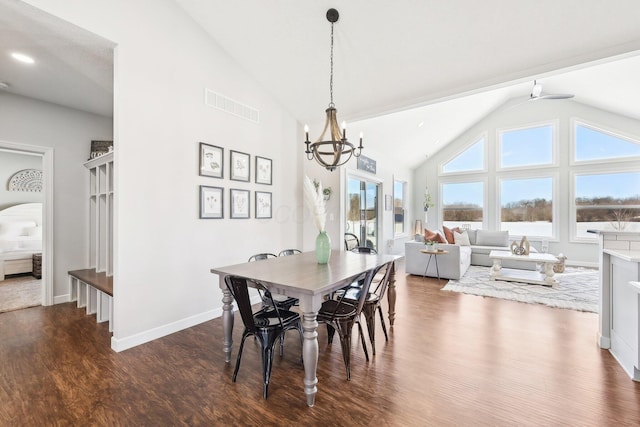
x=323, y=248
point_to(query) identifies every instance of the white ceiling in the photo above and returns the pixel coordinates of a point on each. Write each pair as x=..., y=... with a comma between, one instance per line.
x=446, y=64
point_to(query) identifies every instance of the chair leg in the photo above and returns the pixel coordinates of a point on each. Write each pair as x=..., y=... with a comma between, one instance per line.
x=364, y=344
x=369, y=312
x=267, y=363
x=330, y=331
x=299, y=328
x=235, y=371
x=344, y=329
x=384, y=327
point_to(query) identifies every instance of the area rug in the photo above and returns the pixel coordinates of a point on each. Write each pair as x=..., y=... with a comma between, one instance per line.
x=20, y=292
x=577, y=288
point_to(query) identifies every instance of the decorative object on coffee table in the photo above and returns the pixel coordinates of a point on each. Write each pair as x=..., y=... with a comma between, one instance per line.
x=521, y=249
x=559, y=266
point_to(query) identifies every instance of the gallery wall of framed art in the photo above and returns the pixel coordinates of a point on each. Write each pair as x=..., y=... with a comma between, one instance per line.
x=212, y=197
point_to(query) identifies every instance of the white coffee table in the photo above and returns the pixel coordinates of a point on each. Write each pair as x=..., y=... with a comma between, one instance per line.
x=543, y=277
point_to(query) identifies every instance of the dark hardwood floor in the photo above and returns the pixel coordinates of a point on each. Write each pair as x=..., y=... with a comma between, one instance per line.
x=452, y=360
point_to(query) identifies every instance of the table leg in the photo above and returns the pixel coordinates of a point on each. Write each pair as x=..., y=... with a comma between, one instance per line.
x=391, y=294
x=310, y=355
x=495, y=269
x=429, y=262
x=227, y=321
x=549, y=273
x=437, y=269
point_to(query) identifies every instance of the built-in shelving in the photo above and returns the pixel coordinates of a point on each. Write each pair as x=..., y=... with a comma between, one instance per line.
x=93, y=287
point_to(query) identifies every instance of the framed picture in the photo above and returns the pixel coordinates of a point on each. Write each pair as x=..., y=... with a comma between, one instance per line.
x=211, y=160
x=239, y=203
x=211, y=202
x=367, y=164
x=263, y=204
x=263, y=170
x=240, y=166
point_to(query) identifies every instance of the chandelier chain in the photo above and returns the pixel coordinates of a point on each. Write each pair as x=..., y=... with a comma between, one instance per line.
x=331, y=104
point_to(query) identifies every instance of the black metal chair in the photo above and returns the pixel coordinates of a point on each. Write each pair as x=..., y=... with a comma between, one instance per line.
x=364, y=250
x=264, y=255
x=372, y=302
x=284, y=302
x=267, y=325
x=351, y=241
x=287, y=252
x=340, y=315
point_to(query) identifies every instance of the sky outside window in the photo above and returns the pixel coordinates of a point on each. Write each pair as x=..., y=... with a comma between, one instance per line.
x=526, y=147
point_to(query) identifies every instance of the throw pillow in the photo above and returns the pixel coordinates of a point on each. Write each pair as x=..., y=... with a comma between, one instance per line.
x=461, y=239
x=434, y=236
x=448, y=233
x=472, y=236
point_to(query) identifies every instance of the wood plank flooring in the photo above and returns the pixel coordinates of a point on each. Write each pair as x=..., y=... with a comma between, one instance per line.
x=452, y=360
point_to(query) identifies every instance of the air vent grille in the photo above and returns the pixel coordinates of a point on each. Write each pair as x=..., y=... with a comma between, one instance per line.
x=226, y=104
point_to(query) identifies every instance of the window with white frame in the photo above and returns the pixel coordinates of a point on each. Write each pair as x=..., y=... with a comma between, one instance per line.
x=593, y=144
x=607, y=201
x=526, y=147
x=471, y=159
x=526, y=206
x=462, y=204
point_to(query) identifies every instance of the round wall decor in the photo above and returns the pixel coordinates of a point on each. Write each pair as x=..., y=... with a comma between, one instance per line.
x=26, y=180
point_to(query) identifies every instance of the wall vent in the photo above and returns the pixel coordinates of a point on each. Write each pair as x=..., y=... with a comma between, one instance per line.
x=226, y=104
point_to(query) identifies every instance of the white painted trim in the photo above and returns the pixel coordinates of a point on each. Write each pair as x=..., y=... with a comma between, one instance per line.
x=47, y=217
x=126, y=343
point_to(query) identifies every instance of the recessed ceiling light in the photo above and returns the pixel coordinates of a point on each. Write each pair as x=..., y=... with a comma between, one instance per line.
x=22, y=58
x=421, y=124
x=4, y=85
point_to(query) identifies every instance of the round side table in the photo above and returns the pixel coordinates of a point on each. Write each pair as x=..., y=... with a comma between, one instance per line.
x=433, y=253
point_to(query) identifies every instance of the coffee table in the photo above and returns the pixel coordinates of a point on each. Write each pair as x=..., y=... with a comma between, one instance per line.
x=542, y=277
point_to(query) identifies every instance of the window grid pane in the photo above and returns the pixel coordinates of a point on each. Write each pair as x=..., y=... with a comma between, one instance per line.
x=526, y=147
x=527, y=207
x=462, y=204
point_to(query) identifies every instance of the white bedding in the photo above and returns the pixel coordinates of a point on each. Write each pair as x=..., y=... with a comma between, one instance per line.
x=20, y=236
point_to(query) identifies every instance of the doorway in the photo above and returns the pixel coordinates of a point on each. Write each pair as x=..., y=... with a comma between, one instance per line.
x=362, y=210
x=46, y=260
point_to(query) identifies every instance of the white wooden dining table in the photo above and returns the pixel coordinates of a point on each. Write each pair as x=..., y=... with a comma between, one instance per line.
x=301, y=276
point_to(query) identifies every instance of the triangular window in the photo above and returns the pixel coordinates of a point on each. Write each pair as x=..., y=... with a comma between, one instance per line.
x=594, y=144
x=471, y=159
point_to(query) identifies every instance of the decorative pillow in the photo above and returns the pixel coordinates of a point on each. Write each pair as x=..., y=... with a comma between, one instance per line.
x=472, y=236
x=448, y=233
x=434, y=236
x=461, y=239
x=492, y=238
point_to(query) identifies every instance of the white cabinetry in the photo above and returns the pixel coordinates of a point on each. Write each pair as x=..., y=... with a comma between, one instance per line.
x=93, y=287
x=101, y=213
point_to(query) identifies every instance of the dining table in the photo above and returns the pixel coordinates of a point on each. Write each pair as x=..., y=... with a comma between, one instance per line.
x=301, y=276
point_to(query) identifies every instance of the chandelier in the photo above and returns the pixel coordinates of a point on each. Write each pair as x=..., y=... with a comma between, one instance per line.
x=334, y=150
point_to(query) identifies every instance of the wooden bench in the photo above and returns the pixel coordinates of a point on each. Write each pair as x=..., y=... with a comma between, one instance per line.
x=94, y=291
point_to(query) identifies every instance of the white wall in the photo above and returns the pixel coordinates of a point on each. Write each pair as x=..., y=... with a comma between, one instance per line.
x=520, y=114
x=10, y=163
x=69, y=132
x=163, y=62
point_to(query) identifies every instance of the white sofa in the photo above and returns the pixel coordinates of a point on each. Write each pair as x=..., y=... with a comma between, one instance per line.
x=451, y=266
x=454, y=264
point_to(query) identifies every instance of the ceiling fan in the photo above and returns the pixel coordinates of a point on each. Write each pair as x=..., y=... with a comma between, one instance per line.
x=536, y=93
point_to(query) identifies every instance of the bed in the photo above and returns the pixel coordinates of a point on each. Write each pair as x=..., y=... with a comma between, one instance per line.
x=20, y=238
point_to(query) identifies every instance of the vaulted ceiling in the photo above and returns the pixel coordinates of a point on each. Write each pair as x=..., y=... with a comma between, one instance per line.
x=446, y=64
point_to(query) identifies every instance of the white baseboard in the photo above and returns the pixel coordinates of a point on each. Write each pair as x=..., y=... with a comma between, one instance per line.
x=126, y=343
x=61, y=299
x=582, y=264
